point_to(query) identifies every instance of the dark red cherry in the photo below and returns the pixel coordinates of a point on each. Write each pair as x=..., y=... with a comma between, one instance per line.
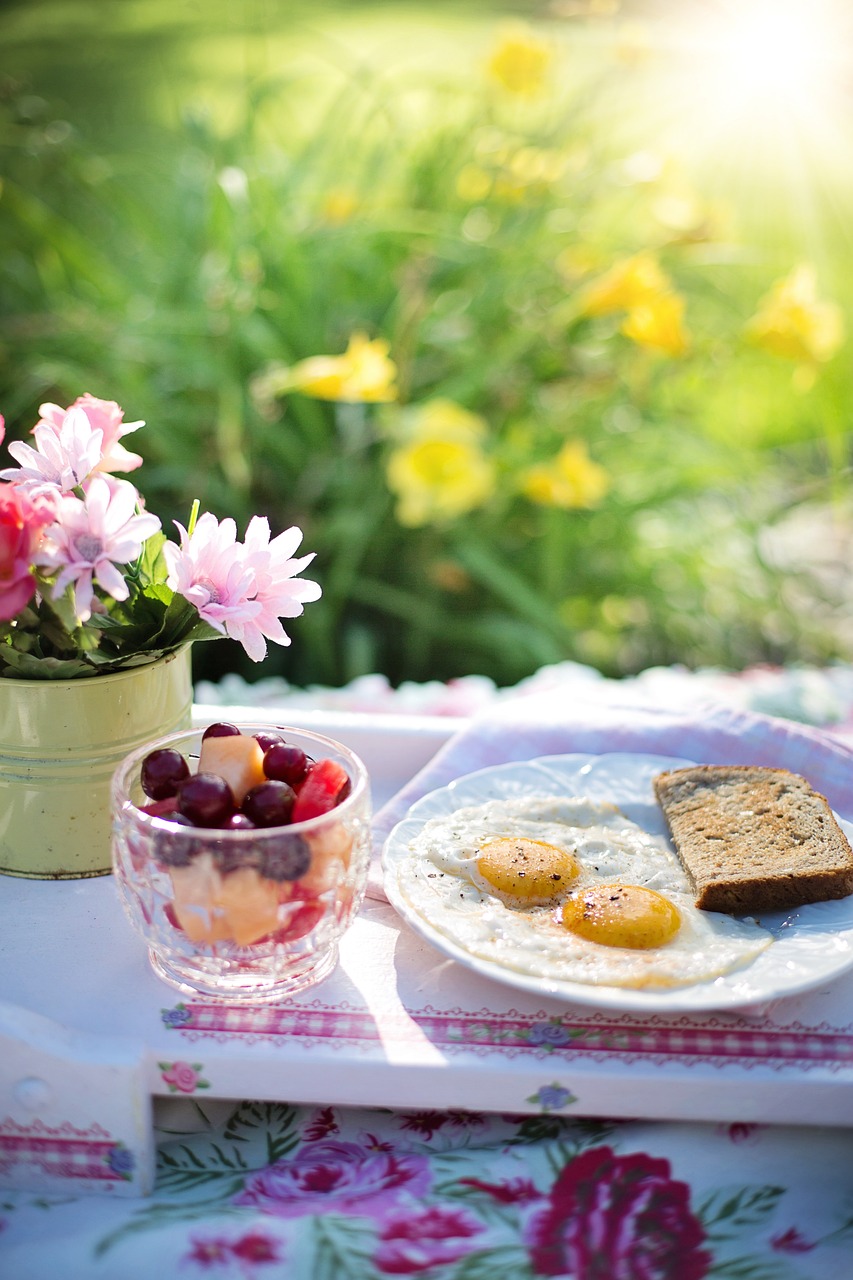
x=206, y=799
x=270, y=804
x=286, y=763
x=267, y=740
x=239, y=822
x=162, y=773
x=220, y=730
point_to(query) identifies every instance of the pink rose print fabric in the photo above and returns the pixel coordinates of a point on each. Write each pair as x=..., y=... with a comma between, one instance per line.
x=340, y=1177
x=418, y=1243
x=256, y=1190
x=609, y=1217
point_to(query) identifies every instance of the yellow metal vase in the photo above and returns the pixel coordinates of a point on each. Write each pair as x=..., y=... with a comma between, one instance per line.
x=60, y=743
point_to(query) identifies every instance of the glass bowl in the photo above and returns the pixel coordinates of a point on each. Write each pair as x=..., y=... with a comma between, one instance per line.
x=242, y=914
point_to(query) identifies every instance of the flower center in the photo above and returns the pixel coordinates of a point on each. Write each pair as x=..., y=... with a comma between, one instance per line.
x=89, y=547
x=211, y=589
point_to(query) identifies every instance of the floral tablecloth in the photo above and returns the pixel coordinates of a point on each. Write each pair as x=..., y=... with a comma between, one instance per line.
x=251, y=1189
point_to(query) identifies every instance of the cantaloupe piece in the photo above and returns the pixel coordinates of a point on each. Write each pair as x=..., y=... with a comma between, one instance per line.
x=330, y=855
x=196, y=892
x=238, y=758
x=250, y=904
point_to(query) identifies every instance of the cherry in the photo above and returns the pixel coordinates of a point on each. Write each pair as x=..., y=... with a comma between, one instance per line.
x=270, y=804
x=162, y=773
x=286, y=763
x=206, y=799
x=169, y=847
x=239, y=822
x=220, y=730
x=267, y=740
x=326, y=786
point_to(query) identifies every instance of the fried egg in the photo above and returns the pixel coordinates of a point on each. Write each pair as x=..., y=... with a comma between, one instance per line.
x=569, y=890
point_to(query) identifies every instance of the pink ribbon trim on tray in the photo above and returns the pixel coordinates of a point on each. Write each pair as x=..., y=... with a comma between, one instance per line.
x=628, y=1038
x=558, y=723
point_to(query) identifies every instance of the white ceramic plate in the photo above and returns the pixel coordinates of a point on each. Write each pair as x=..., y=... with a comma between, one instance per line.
x=812, y=945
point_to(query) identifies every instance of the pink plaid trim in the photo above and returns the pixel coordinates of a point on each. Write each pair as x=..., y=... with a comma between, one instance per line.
x=65, y=1152
x=626, y=1039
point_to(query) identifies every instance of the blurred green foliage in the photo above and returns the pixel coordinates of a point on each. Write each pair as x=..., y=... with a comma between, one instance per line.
x=195, y=194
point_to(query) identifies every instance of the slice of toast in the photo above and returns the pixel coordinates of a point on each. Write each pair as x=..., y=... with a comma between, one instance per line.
x=754, y=839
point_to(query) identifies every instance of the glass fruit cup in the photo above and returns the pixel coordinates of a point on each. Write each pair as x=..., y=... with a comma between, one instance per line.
x=242, y=914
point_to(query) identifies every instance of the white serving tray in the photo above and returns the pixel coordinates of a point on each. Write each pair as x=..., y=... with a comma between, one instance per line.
x=89, y=1035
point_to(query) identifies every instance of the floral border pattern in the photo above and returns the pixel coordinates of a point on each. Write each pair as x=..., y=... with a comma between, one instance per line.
x=64, y=1151
x=715, y=1041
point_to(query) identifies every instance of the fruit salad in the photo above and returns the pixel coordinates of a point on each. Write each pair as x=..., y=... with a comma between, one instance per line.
x=243, y=844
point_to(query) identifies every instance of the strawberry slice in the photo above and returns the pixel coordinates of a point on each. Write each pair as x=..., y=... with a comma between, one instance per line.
x=326, y=786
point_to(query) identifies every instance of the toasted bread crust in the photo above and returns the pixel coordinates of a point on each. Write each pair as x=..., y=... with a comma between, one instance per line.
x=754, y=839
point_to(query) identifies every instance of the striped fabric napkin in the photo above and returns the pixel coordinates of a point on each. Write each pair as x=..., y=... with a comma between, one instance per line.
x=559, y=723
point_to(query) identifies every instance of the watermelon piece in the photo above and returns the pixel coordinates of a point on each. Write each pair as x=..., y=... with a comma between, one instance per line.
x=160, y=808
x=325, y=787
x=301, y=919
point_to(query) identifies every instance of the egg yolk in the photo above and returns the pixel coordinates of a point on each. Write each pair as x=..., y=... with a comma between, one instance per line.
x=530, y=871
x=621, y=915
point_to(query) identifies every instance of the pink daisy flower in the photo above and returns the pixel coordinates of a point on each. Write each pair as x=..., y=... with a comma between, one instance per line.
x=91, y=537
x=281, y=593
x=209, y=570
x=64, y=456
x=104, y=416
x=241, y=589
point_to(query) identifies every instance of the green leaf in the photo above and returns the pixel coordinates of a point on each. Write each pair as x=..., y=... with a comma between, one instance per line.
x=164, y=1215
x=485, y=1264
x=60, y=611
x=26, y=666
x=739, y=1209
x=271, y=1126
x=752, y=1267
x=151, y=568
x=343, y=1249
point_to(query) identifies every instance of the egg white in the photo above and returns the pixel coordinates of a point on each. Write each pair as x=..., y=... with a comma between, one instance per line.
x=441, y=883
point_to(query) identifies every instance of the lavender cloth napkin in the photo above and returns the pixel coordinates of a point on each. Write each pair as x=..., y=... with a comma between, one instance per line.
x=558, y=723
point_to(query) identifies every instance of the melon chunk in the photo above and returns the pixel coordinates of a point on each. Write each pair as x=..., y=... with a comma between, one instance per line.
x=250, y=904
x=239, y=907
x=196, y=900
x=238, y=758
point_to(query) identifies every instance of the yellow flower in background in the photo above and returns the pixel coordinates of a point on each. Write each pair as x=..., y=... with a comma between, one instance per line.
x=338, y=205
x=575, y=261
x=363, y=374
x=442, y=417
x=627, y=284
x=473, y=183
x=659, y=323
x=513, y=175
x=440, y=471
x=569, y=480
x=520, y=62
x=793, y=322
